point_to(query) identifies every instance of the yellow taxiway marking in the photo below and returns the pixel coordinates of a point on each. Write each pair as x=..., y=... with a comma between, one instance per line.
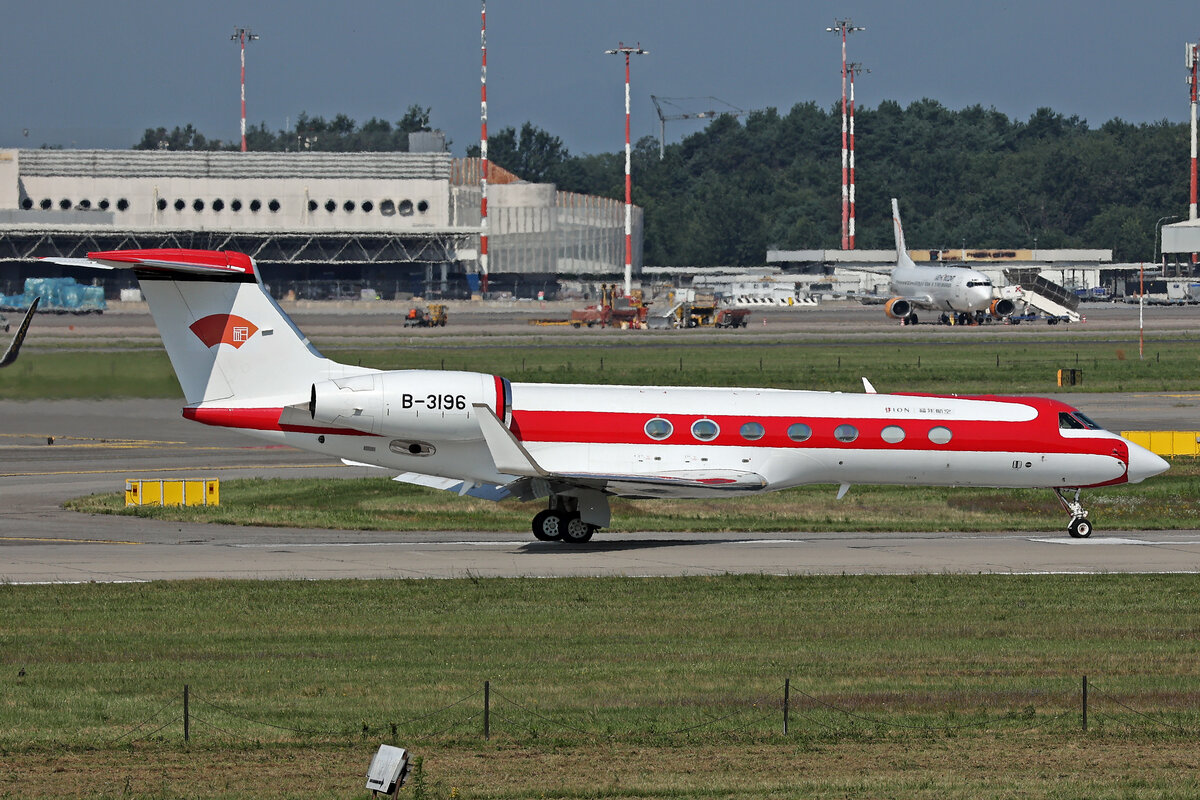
x=115, y=470
x=53, y=539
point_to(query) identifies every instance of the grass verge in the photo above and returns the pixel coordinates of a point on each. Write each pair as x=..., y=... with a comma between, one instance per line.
x=1164, y=502
x=926, y=686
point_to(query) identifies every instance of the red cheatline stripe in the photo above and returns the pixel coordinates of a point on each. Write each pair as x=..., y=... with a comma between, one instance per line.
x=259, y=419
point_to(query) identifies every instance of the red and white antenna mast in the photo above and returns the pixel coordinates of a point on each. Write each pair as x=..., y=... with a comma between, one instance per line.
x=852, y=69
x=483, y=159
x=1193, y=56
x=843, y=27
x=628, y=51
x=243, y=35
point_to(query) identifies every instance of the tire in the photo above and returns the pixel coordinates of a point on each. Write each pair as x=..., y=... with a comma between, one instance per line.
x=548, y=526
x=913, y=320
x=576, y=531
x=1080, y=528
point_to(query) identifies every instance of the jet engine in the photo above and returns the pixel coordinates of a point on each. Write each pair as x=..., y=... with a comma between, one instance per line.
x=1002, y=307
x=429, y=404
x=898, y=308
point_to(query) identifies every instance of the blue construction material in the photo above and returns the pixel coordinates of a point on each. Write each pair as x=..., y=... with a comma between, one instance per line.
x=58, y=294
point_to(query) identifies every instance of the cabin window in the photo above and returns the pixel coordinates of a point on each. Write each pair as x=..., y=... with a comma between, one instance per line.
x=799, y=432
x=845, y=433
x=892, y=434
x=940, y=435
x=753, y=431
x=705, y=430
x=658, y=429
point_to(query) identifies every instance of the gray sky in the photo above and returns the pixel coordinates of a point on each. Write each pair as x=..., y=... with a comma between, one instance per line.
x=96, y=74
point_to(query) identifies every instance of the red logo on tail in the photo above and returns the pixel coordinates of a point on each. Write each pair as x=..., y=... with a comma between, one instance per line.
x=223, y=328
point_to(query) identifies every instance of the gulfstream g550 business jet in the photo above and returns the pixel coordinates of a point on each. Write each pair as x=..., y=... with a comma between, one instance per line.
x=956, y=291
x=243, y=364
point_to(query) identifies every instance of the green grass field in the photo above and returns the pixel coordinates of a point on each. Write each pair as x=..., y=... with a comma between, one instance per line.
x=1167, y=501
x=933, y=686
x=1007, y=367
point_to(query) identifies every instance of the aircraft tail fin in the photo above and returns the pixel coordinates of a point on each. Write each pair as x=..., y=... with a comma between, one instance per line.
x=902, y=257
x=228, y=340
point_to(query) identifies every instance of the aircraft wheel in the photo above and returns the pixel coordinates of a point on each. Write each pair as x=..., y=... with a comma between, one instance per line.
x=1080, y=528
x=576, y=531
x=548, y=526
x=913, y=320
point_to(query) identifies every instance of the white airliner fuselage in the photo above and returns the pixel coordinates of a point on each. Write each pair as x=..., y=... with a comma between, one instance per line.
x=951, y=290
x=242, y=364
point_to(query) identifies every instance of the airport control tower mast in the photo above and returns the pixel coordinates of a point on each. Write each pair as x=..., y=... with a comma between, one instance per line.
x=243, y=35
x=843, y=27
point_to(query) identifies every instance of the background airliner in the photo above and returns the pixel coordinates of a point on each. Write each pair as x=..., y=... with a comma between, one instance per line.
x=949, y=290
x=243, y=364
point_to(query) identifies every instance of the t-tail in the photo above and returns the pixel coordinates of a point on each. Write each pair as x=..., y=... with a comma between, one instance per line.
x=902, y=257
x=230, y=343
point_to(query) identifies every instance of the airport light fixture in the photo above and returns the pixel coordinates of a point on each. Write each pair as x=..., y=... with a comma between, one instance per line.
x=843, y=27
x=243, y=35
x=627, y=51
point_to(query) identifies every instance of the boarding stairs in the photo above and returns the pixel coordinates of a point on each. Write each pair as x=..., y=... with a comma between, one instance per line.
x=1045, y=296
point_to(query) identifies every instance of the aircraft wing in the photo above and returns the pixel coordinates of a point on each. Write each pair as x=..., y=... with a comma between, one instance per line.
x=14, y=347
x=511, y=457
x=460, y=487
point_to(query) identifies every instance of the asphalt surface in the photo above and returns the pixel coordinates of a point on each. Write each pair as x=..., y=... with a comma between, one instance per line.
x=53, y=451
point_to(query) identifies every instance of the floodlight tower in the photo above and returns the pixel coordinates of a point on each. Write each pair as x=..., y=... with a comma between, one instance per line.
x=622, y=48
x=843, y=27
x=483, y=159
x=852, y=69
x=243, y=35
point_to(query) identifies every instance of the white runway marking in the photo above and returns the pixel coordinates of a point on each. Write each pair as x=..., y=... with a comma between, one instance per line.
x=1091, y=542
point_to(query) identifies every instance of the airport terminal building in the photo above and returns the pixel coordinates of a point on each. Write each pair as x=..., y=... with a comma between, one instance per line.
x=316, y=222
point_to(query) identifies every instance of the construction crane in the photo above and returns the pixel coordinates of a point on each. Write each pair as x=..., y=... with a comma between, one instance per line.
x=659, y=102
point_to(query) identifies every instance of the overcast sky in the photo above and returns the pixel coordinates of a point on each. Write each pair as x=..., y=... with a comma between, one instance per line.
x=97, y=74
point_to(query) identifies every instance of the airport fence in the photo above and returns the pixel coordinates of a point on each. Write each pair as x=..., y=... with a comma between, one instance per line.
x=786, y=711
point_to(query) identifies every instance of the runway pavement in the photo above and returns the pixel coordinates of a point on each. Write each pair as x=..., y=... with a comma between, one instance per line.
x=53, y=451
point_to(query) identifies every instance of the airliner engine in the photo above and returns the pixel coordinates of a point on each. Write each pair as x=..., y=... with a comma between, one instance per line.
x=1002, y=307
x=421, y=403
x=898, y=308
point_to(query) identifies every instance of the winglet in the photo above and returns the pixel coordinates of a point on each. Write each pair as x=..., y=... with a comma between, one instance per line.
x=509, y=455
x=14, y=347
x=867, y=387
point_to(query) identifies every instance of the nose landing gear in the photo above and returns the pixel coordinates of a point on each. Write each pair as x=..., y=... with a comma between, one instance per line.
x=1079, y=527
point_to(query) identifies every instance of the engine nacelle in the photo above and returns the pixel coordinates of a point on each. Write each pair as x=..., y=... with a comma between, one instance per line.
x=898, y=308
x=423, y=404
x=1002, y=307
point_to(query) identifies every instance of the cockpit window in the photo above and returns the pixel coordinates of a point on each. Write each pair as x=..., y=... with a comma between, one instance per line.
x=972, y=284
x=1076, y=421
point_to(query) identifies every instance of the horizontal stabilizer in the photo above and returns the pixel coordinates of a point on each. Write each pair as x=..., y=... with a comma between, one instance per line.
x=215, y=263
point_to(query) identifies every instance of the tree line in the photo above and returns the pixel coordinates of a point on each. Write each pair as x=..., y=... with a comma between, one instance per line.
x=727, y=193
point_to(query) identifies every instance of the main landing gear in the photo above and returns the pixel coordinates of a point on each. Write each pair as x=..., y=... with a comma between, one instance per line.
x=1079, y=527
x=561, y=522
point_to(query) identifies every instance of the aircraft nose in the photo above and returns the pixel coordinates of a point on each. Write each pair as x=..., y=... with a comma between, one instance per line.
x=1144, y=464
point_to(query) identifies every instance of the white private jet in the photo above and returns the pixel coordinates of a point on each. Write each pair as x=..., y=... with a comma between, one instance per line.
x=955, y=291
x=243, y=364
